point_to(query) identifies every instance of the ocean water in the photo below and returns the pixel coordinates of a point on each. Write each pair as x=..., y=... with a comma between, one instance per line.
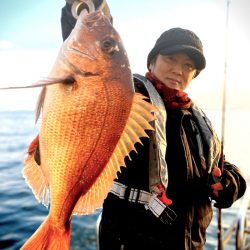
x=21, y=214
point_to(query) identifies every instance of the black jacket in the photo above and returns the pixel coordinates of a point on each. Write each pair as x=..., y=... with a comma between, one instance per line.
x=127, y=223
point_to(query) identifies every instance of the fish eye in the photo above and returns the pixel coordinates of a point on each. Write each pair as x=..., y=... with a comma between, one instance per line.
x=109, y=45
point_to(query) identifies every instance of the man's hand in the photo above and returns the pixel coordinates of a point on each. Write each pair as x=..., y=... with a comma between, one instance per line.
x=90, y=6
x=68, y=20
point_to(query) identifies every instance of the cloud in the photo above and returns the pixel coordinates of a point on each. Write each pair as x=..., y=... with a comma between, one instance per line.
x=4, y=45
x=20, y=68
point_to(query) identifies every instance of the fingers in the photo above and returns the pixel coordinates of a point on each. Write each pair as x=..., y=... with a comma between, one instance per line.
x=216, y=188
x=216, y=172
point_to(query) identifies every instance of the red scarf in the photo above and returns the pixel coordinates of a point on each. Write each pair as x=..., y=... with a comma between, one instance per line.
x=172, y=98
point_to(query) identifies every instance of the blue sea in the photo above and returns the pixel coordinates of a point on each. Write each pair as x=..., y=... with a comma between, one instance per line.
x=21, y=214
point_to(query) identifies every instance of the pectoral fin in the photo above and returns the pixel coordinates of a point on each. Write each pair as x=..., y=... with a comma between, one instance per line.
x=140, y=115
x=44, y=82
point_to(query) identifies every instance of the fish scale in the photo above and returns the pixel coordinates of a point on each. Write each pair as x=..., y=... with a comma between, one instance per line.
x=88, y=126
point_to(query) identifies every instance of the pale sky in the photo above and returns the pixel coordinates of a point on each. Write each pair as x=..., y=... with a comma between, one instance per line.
x=30, y=39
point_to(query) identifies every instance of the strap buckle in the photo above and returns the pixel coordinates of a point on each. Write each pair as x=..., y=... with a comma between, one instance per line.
x=150, y=201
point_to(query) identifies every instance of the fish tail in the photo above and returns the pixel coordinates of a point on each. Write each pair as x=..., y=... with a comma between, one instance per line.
x=48, y=237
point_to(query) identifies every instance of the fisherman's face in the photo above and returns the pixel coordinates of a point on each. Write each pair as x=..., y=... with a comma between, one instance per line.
x=176, y=71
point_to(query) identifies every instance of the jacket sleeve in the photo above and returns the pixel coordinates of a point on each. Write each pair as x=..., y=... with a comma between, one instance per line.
x=67, y=21
x=234, y=186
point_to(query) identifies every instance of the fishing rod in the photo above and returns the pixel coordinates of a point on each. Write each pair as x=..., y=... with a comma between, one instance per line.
x=221, y=165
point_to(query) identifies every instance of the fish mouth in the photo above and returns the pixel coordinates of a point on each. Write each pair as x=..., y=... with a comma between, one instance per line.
x=78, y=6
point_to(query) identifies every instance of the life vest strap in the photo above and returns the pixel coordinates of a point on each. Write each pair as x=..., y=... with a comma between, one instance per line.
x=149, y=200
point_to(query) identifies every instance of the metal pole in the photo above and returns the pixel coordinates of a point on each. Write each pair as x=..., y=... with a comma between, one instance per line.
x=220, y=239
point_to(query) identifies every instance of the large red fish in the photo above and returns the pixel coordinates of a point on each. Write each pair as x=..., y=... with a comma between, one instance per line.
x=89, y=124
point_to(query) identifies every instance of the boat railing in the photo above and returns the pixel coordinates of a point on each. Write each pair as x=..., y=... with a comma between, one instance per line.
x=239, y=226
x=242, y=230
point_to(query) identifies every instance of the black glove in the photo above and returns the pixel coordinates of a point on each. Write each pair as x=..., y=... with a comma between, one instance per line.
x=67, y=21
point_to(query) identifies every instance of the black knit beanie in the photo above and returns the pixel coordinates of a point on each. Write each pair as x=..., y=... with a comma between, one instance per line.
x=179, y=40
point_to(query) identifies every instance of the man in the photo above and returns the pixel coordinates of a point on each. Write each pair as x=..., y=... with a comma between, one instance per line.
x=163, y=198
x=192, y=158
